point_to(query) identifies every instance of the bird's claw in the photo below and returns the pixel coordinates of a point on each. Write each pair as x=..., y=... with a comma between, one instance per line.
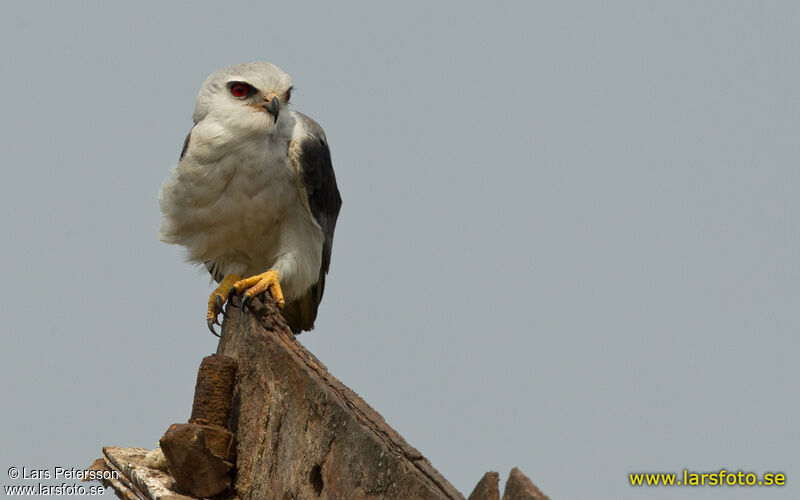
x=215, y=308
x=232, y=294
x=211, y=323
x=220, y=305
x=243, y=291
x=246, y=301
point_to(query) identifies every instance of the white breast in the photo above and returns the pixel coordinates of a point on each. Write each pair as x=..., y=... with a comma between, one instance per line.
x=236, y=204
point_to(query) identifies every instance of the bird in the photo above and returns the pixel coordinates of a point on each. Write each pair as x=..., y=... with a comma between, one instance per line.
x=254, y=197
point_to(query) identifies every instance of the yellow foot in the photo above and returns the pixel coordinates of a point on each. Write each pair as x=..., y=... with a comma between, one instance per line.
x=254, y=285
x=217, y=299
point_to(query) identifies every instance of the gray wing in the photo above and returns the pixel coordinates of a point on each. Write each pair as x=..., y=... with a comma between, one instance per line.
x=313, y=160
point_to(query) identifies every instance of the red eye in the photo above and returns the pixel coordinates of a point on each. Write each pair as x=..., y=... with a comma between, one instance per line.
x=240, y=90
x=288, y=95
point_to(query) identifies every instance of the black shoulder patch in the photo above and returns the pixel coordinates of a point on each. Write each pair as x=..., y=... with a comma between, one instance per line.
x=320, y=182
x=185, y=145
x=325, y=201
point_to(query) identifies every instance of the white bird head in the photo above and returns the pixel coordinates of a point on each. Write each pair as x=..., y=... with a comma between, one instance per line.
x=248, y=96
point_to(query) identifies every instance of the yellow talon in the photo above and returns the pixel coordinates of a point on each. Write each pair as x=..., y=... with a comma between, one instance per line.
x=219, y=296
x=254, y=285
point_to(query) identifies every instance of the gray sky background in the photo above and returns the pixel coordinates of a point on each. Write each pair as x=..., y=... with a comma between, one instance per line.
x=569, y=238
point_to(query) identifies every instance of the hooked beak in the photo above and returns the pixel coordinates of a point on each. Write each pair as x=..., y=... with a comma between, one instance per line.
x=273, y=107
